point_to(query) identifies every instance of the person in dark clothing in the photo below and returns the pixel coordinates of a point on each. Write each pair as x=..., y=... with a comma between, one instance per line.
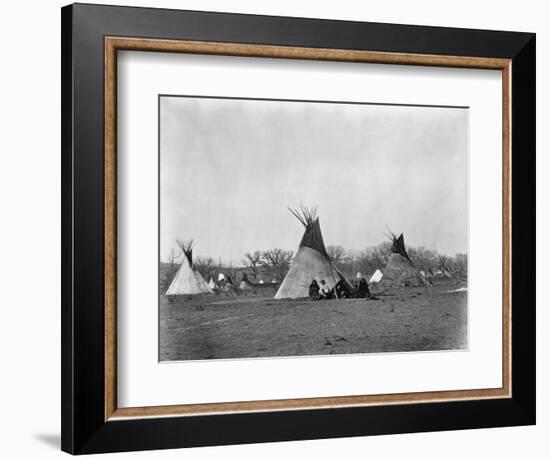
x=343, y=290
x=314, y=290
x=362, y=290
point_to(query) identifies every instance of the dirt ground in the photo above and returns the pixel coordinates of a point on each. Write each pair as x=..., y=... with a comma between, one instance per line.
x=404, y=319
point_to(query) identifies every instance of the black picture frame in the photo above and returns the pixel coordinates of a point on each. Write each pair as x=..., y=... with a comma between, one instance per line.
x=84, y=428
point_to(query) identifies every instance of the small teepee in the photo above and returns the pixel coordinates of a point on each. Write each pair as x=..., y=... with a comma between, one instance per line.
x=400, y=270
x=212, y=284
x=186, y=281
x=245, y=284
x=311, y=262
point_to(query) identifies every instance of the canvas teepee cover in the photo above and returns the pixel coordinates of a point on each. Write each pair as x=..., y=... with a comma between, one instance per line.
x=311, y=260
x=376, y=276
x=400, y=270
x=245, y=284
x=202, y=282
x=212, y=284
x=186, y=281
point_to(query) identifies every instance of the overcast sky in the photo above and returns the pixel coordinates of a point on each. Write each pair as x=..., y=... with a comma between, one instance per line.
x=230, y=168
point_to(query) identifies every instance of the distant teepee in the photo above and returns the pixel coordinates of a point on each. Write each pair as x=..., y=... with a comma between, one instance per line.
x=400, y=270
x=376, y=276
x=245, y=284
x=311, y=262
x=186, y=280
x=212, y=283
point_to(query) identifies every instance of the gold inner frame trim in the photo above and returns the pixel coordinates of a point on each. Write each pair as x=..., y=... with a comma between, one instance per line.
x=114, y=44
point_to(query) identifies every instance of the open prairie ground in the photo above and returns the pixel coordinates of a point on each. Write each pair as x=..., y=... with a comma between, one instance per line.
x=255, y=325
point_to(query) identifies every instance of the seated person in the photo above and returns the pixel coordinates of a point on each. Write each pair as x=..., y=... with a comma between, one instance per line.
x=362, y=290
x=343, y=290
x=325, y=292
x=314, y=290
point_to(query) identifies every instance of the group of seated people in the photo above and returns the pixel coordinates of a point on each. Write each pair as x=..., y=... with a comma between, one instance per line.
x=342, y=290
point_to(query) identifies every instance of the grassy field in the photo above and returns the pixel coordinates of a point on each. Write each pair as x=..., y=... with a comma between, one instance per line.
x=221, y=327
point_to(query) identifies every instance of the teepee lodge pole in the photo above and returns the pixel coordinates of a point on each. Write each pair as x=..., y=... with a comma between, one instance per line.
x=335, y=282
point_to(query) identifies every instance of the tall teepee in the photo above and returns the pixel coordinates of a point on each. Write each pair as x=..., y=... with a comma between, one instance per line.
x=311, y=262
x=186, y=280
x=400, y=270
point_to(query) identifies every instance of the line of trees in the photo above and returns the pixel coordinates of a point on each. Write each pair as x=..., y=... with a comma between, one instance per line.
x=274, y=263
x=369, y=259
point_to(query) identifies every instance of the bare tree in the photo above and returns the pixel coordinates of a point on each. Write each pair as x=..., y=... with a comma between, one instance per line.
x=336, y=254
x=277, y=261
x=253, y=261
x=173, y=256
x=169, y=269
x=459, y=265
x=205, y=265
x=369, y=259
x=232, y=272
x=423, y=258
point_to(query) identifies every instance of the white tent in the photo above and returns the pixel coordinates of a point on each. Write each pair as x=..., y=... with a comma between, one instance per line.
x=359, y=275
x=212, y=284
x=186, y=281
x=221, y=277
x=376, y=276
x=261, y=282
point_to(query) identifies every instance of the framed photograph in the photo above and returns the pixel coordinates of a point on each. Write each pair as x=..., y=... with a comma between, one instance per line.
x=281, y=228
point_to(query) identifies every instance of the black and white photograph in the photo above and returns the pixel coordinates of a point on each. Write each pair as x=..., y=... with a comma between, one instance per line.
x=297, y=227
x=275, y=229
